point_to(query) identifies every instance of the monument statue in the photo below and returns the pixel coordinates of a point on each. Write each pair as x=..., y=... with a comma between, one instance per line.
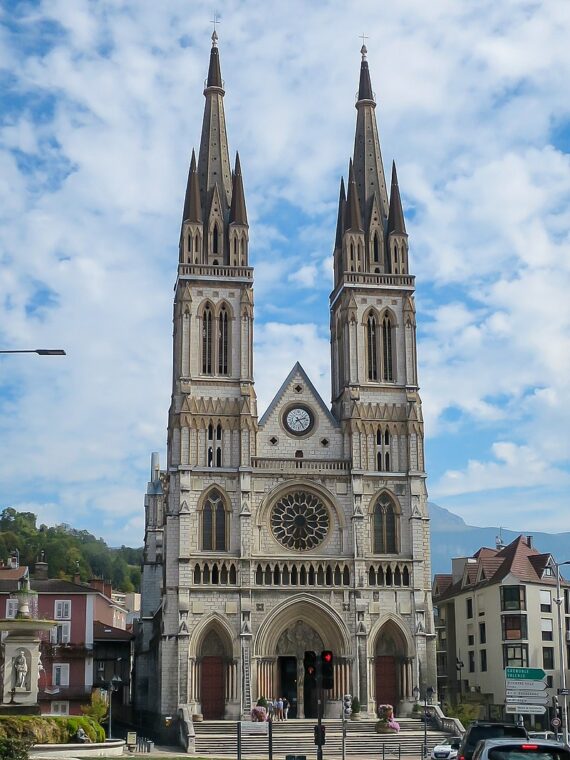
x=20, y=670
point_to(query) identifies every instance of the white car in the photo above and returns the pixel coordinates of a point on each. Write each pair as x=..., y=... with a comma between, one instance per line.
x=447, y=750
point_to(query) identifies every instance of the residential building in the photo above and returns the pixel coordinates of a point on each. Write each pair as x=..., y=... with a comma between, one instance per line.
x=306, y=528
x=497, y=609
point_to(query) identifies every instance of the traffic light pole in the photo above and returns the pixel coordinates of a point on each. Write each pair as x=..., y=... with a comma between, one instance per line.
x=319, y=707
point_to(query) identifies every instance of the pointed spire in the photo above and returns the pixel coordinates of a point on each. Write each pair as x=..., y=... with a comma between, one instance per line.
x=340, y=217
x=214, y=71
x=365, y=85
x=192, y=210
x=238, y=213
x=353, y=218
x=396, y=222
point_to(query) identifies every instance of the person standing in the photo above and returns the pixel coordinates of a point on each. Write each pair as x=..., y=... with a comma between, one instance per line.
x=285, y=708
x=280, y=708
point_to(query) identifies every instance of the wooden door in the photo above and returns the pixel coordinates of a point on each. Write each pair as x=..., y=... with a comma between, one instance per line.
x=386, y=681
x=212, y=688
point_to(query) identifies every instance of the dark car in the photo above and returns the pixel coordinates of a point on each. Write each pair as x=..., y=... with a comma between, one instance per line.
x=521, y=749
x=480, y=729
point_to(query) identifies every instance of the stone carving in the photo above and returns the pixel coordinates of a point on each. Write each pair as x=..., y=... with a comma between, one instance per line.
x=297, y=639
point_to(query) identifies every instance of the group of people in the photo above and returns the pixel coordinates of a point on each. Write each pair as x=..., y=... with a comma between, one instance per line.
x=278, y=709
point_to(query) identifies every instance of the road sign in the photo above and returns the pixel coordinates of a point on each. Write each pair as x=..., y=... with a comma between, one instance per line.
x=563, y=692
x=525, y=709
x=525, y=674
x=555, y=722
x=542, y=700
x=525, y=692
x=511, y=683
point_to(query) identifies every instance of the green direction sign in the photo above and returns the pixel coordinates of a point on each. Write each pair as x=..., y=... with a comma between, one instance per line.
x=525, y=674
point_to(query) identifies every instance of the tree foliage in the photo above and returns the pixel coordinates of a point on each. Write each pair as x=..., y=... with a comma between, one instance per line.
x=97, y=708
x=68, y=551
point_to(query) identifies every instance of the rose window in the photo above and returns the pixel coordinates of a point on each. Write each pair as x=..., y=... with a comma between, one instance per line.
x=299, y=520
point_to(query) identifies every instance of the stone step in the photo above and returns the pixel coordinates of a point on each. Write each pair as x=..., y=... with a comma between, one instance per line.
x=296, y=737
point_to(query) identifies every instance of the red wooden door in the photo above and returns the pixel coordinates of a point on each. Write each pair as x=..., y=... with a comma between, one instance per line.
x=212, y=689
x=386, y=681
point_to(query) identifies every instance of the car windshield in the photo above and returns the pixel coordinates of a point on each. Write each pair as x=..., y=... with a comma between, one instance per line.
x=537, y=753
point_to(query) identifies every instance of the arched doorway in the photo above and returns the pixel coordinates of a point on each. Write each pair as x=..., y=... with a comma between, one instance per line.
x=292, y=679
x=213, y=658
x=390, y=657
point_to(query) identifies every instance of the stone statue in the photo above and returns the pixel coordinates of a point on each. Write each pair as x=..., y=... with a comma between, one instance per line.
x=20, y=669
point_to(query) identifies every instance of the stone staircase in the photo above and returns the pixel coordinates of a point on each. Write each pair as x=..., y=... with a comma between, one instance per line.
x=295, y=737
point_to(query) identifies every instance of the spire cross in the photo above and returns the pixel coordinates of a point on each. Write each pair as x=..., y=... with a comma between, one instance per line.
x=363, y=37
x=216, y=20
x=363, y=49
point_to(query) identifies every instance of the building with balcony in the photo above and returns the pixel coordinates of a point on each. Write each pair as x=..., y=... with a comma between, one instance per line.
x=498, y=609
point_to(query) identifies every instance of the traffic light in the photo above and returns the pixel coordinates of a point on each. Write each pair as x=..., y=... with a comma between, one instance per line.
x=320, y=735
x=346, y=706
x=327, y=669
x=310, y=663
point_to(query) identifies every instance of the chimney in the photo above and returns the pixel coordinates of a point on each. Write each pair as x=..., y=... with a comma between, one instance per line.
x=98, y=584
x=529, y=542
x=41, y=570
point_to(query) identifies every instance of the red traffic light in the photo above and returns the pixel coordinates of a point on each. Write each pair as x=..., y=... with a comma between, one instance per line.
x=327, y=656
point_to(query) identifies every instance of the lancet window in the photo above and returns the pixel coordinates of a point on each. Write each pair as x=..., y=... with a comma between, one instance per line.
x=207, y=340
x=386, y=530
x=387, y=349
x=214, y=522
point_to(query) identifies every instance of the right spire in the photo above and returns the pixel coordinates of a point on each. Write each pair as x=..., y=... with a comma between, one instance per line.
x=368, y=168
x=396, y=222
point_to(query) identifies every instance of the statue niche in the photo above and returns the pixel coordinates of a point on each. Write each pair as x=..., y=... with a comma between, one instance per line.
x=20, y=670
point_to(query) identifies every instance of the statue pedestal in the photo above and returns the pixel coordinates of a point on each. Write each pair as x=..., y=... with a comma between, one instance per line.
x=21, y=650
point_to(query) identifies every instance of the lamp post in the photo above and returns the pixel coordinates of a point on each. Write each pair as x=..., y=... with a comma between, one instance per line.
x=561, y=649
x=113, y=686
x=459, y=665
x=428, y=694
x=40, y=351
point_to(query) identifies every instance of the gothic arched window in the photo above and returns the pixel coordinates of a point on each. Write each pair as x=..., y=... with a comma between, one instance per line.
x=372, y=347
x=215, y=240
x=214, y=523
x=385, y=526
x=207, y=340
x=387, y=260
x=223, y=341
x=387, y=349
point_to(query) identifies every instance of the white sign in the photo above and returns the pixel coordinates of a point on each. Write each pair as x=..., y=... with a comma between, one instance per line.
x=525, y=693
x=527, y=700
x=525, y=709
x=253, y=727
x=514, y=684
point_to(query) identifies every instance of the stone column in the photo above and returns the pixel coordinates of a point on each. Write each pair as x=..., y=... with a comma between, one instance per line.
x=300, y=688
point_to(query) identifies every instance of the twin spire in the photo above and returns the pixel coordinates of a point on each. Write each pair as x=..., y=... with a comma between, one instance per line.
x=214, y=193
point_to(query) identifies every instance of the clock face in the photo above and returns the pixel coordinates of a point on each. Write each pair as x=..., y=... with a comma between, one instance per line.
x=298, y=420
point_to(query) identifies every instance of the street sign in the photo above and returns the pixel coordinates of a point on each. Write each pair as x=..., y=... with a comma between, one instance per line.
x=525, y=674
x=563, y=692
x=525, y=709
x=542, y=700
x=254, y=727
x=555, y=722
x=511, y=683
x=525, y=692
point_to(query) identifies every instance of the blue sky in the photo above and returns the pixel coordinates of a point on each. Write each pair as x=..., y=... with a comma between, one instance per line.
x=101, y=106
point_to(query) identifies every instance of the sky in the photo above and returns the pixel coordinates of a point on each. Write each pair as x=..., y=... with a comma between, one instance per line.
x=101, y=105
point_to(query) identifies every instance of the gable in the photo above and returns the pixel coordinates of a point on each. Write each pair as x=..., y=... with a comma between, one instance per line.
x=323, y=439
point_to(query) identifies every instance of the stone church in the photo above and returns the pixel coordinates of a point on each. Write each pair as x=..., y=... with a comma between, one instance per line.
x=306, y=528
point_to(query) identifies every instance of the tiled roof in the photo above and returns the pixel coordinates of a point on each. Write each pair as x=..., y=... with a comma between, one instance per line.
x=110, y=633
x=13, y=573
x=518, y=559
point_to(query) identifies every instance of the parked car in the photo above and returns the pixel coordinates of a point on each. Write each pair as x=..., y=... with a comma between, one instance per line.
x=548, y=735
x=520, y=749
x=481, y=729
x=447, y=750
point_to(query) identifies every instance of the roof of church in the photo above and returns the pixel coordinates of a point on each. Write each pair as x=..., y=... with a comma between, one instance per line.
x=297, y=369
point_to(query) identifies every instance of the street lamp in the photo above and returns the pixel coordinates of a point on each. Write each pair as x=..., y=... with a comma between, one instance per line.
x=113, y=686
x=40, y=351
x=429, y=692
x=459, y=665
x=561, y=649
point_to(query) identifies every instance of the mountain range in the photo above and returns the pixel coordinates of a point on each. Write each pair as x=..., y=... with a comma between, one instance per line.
x=452, y=537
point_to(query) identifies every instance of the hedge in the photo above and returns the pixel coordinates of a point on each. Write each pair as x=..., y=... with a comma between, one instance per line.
x=46, y=729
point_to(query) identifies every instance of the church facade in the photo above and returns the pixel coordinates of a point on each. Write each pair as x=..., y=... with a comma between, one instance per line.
x=306, y=528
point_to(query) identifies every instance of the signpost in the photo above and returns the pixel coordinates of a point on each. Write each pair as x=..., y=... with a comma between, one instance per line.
x=525, y=690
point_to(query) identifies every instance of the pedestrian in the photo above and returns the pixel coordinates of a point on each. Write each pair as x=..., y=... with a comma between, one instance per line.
x=285, y=708
x=270, y=709
x=280, y=708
